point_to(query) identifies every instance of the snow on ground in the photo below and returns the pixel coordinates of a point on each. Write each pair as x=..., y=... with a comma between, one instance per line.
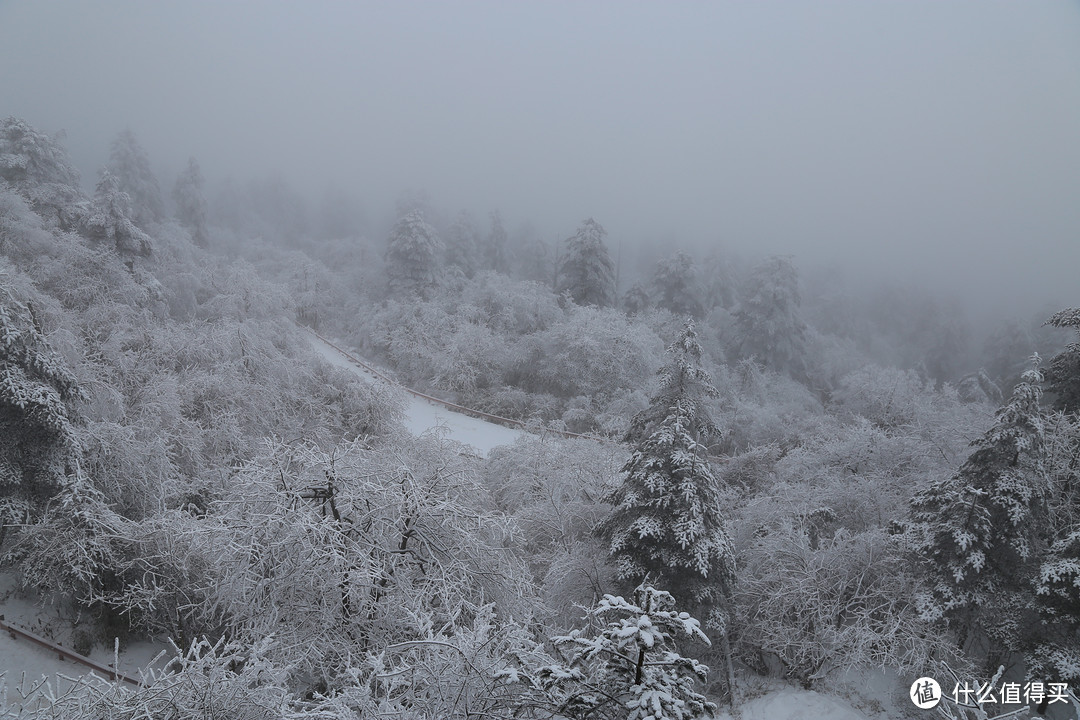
x=793, y=704
x=23, y=664
x=423, y=415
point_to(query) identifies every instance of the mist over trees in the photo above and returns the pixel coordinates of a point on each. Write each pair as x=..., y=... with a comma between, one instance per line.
x=785, y=473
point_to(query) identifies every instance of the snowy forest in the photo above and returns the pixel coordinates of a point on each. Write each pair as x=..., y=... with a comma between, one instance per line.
x=722, y=467
x=270, y=451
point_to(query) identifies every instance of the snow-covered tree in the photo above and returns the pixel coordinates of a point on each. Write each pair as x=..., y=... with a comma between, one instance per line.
x=980, y=530
x=412, y=256
x=629, y=669
x=1006, y=350
x=39, y=169
x=636, y=300
x=1054, y=651
x=191, y=203
x=586, y=271
x=675, y=285
x=38, y=445
x=682, y=379
x=1063, y=373
x=493, y=248
x=768, y=321
x=666, y=525
x=110, y=218
x=463, y=245
x=131, y=166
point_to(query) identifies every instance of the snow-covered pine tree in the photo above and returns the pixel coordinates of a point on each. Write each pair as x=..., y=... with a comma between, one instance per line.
x=37, y=440
x=979, y=530
x=191, y=207
x=1063, y=372
x=636, y=300
x=629, y=669
x=768, y=320
x=675, y=285
x=1055, y=652
x=412, y=256
x=39, y=170
x=110, y=219
x=682, y=376
x=131, y=166
x=462, y=244
x=586, y=271
x=494, y=245
x=666, y=525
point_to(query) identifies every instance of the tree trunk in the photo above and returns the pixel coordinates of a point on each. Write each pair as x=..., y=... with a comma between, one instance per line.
x=725, y=647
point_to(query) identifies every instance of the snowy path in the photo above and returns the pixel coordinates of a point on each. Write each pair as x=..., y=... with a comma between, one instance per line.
x=421, y=414
x=23, y=664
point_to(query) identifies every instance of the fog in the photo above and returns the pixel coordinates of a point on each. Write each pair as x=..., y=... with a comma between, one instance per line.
x=930, y=139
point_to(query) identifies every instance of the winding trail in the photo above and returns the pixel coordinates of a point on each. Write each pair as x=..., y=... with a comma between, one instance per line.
x=475, y=428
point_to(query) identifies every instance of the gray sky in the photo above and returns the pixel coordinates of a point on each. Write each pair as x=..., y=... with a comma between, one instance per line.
x=938, y=136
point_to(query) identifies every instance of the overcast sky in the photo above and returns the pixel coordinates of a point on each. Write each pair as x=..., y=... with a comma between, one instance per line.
x=910, y=134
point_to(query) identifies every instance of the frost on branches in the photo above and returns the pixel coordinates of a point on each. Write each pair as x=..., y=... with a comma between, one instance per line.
x=38, y=168
x=1063, y=372
x=586, y=272
x=628, y=669
x=666, y=523
x=979, y=529
x=413, y=251
x=37, y=439
x=111, y=221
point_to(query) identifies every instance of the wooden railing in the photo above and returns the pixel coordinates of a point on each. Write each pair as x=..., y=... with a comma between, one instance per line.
x=64, y=653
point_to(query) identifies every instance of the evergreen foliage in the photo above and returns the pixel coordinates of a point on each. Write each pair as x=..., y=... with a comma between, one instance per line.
x=40, y=170
x=666, y=524
x=675, y=285
x=191, y=208
x=412, y=256
x=979, y=530
x=131, y=166
x=586, y=271
x=1063, y=372
x=629, y=669
x=37, y=439
x=110, y=219
x=462, y=245
x=768, y=320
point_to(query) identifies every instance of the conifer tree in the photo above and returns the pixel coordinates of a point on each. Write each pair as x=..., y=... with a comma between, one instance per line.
x=666, y=523
x=768, y=319
x=979, y=530
x=675, y=285
x=462, y=244
x=39, y=169
x=630, y=669
x=1063, y=373
x=412, y=256
x=37, y=438
x=191, y=203
x=110, y=219
x=666, y=526
x=131, y=166
x=586, y=272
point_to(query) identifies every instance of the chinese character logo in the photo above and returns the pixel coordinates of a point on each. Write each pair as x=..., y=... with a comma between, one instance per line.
x=925, y=693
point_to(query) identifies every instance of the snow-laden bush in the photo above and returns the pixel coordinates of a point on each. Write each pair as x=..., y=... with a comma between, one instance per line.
x=336, y=554
x=626, y=667
x=813, y=601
